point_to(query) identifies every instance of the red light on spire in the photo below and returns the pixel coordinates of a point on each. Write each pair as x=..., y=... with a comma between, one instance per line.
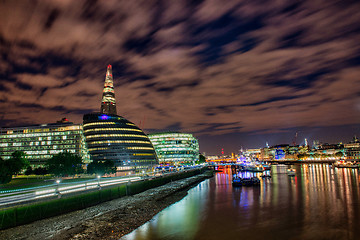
x=109, y=66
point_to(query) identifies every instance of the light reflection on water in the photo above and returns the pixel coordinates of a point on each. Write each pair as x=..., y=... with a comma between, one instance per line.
x=320, y=202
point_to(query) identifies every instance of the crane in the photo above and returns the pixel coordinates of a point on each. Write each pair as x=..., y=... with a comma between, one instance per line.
x=295, y=138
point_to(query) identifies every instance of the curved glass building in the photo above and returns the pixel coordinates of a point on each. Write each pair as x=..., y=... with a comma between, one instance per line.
x=175, y=148
x=112, y=137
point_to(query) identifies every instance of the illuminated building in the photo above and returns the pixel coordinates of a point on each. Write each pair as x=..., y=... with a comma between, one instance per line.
x=252, y=153
x=41, y=142
x=108, y=103
x=112, y=137
x=352, y=149
x=175, y=148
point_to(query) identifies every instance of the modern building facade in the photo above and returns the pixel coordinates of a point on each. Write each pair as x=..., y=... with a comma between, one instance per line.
x=175, y=148
x=352, y=150
x=41, y=142
x=112, y=137
x=108, y=103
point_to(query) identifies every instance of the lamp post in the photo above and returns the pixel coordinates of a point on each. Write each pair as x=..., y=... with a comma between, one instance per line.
x=57, y=192
x=98, y=178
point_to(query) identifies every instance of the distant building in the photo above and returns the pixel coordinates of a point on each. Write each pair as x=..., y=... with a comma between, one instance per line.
x=352, y=149
x=41, y=142
x=278, y=152
x=266, y=154
x=112, y=137
x=316, y=144
x=252, y=153
x=175, y=148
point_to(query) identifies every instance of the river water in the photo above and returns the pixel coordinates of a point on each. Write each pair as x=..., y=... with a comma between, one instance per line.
x=320, y=202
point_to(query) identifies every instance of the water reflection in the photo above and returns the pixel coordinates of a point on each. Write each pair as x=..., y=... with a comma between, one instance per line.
x=319, y=202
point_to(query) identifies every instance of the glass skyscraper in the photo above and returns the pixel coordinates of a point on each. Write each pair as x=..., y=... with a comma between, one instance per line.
x=112, y=137
x=175, y=148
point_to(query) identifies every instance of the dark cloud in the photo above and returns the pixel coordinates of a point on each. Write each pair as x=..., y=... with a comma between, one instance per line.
x=51, y=19
x=226, y=69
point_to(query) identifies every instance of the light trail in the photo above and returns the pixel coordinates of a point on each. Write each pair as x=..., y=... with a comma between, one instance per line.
x=18, y=196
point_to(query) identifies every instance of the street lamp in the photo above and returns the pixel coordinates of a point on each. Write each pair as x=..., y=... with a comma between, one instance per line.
x=98, y=178
x=57, y=192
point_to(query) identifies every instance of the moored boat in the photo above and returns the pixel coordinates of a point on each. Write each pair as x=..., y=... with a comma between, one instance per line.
x=252, y=181
x=291, y=172
x=266, y=167
x=254, y=168
x=346, y=164
x=265, y=176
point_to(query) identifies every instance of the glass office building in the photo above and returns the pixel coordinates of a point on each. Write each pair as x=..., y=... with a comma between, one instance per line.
x=175, y=148
x=112, y=137
x=41, y=142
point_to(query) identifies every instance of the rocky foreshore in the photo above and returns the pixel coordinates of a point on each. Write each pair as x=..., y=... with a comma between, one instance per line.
x=109, y=220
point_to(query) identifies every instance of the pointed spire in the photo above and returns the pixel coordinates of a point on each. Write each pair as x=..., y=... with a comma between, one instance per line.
x=108, y=104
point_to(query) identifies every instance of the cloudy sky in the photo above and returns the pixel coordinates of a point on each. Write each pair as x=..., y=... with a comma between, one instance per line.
x=234, y=73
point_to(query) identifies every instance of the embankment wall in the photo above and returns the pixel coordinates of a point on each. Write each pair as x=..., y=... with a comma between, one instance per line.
x=19, y=215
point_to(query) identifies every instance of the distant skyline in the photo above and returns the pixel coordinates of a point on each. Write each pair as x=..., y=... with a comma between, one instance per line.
x=233, y=73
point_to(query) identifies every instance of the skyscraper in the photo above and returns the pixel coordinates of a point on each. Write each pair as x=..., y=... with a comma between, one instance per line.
x=108, y=104
x=112, y=137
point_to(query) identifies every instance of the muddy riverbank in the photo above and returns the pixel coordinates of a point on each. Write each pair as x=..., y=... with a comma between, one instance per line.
x=109, y=220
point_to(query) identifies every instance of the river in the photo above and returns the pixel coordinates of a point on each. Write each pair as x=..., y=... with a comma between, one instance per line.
x=319, y=202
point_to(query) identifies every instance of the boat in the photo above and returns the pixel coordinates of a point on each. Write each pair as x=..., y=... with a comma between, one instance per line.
x=252, y=181
x=346, y=164
x=249, y=165
x=291, y=171
x=254, y=167
x=265, y=176
x=266, y=167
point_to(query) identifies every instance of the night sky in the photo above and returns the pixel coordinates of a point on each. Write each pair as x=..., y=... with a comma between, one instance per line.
x=234, y=73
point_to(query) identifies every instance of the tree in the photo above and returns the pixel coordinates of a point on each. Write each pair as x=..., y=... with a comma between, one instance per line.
x=339, y=154
x=64, y=164
x=18, y=161
x=201, y=159
x=40, y=171
x=14, y=165
x=28, y=171
x=5, y=173
x=101, y=167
